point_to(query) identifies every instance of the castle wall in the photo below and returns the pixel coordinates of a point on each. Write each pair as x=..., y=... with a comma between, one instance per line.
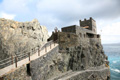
x=86, y=23
x=94, y=26
x=67, y=40
x=71, y=29
x=91, y=23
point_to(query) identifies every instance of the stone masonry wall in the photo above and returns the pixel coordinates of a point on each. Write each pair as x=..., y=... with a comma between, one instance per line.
x=66, y=40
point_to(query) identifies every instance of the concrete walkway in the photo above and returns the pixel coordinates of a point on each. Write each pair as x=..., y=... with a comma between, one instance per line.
x=70, y=74
x=25, y=61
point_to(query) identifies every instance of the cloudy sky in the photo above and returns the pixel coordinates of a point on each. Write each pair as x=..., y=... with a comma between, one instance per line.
x=61, y=13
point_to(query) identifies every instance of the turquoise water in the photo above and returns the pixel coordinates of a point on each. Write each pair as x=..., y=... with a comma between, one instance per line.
x=113, y=53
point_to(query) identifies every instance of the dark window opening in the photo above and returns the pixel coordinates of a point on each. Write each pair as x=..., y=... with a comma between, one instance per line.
x=90, y=35
x=28, y=70
x=67, y=49
x=98, y=36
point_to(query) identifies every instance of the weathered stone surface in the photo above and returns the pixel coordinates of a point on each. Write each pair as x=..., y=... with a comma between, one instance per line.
x=48, y=66
x=16, y=37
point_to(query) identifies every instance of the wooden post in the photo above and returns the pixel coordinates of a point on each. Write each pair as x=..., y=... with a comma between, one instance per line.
x=12, y=58
x=50, y=45
x=54, y=43
x=29, y=55
x=16, y=62
x=38, y=51
x=45, y=49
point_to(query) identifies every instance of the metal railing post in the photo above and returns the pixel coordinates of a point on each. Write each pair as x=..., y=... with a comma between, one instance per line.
x=16, y=62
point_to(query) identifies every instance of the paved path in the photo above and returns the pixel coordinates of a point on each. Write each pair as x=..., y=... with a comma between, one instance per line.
x=27, y=60
x=69, y=74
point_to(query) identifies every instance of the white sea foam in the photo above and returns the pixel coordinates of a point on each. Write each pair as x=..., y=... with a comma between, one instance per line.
x=116, y=70
x=114, y=61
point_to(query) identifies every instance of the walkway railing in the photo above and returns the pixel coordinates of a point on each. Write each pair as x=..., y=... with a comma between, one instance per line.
x=22, y=55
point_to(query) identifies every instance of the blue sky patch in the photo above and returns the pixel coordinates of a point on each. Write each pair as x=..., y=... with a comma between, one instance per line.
x=1, y=1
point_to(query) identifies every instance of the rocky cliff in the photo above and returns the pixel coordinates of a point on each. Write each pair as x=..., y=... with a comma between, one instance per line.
x=78, y=56
x=77, y=59
x=16, y=37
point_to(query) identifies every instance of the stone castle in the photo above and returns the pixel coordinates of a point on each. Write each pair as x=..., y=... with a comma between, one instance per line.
x=83, y=33
x=88, y=26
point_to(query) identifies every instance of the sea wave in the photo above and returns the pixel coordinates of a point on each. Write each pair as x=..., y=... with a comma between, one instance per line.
x=114, y=61
x=116, y=70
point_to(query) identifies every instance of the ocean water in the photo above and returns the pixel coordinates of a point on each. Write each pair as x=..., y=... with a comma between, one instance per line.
x=113, y=53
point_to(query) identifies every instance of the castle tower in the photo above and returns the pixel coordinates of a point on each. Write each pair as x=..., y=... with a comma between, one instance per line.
x=89, y=24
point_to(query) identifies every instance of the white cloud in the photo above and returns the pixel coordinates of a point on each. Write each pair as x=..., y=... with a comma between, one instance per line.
x=14, y=6
x=110, y=33
x=113, y=29
x=7, y=16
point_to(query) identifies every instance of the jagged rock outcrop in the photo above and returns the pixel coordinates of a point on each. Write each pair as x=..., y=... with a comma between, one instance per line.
x=16, y=37
x=85, y=56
